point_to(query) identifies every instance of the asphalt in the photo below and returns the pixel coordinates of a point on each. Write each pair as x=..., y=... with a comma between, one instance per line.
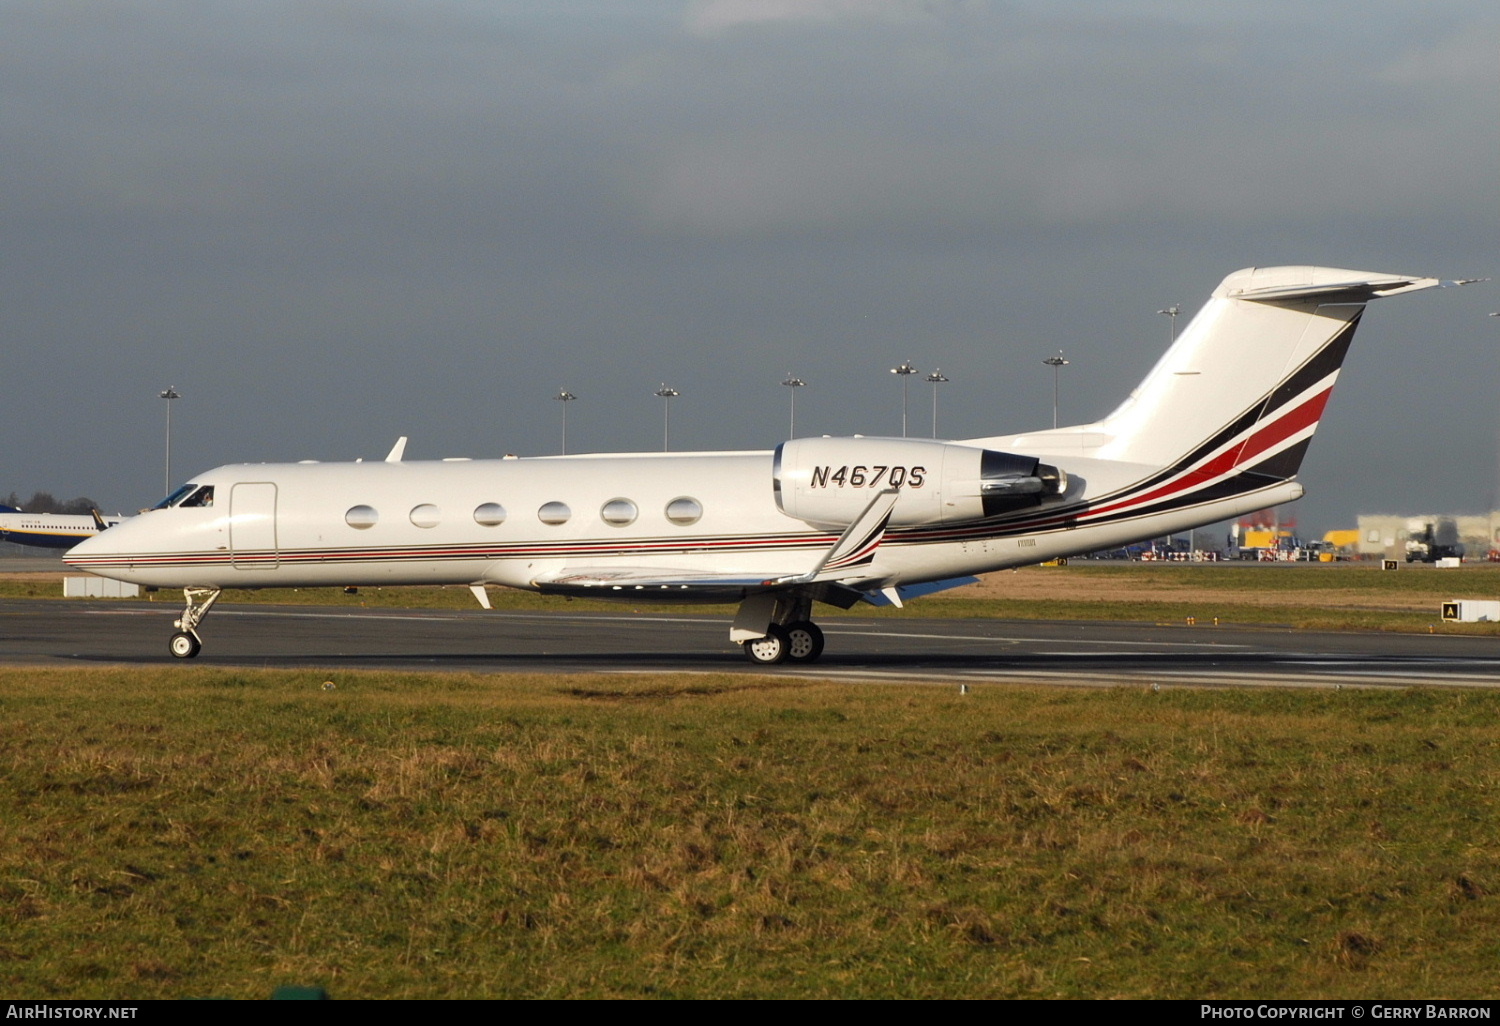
x=30, y=559
x=935, y=651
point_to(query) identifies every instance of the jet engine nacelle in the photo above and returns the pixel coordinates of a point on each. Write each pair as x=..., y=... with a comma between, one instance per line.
x=828, y=482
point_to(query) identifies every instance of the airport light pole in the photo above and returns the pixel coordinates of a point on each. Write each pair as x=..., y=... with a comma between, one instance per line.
x=667, y=395
x=904, y=371
x=1172, y=312
x=1056, y=363
x=793, y=382
x=935, y=379
x=565, y=397
x=170, y=394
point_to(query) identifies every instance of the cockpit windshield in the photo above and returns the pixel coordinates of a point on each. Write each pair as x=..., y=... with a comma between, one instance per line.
x=175, y=497
x=189, y=494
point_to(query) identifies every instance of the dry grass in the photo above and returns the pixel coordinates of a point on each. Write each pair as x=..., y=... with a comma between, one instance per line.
x=1414, y=588
x=179, y=832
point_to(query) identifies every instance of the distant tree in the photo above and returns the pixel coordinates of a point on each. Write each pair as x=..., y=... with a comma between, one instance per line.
x=46, y=502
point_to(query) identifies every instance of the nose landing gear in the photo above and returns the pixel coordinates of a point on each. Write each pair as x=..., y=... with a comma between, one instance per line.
x=186, y=643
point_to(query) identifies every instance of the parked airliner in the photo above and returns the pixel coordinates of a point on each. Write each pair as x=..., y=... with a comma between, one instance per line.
x=1217, y=429
x=51, y=530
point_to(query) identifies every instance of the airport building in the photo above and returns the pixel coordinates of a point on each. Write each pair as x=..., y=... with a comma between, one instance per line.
x=1387, y=535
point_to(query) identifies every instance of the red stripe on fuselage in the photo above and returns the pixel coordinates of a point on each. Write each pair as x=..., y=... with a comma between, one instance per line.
x=1237, y=455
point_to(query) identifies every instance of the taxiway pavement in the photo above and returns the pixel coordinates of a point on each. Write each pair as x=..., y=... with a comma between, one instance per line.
x=936, y=651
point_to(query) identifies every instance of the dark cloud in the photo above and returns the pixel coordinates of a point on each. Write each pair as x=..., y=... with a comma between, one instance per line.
x=331, y=223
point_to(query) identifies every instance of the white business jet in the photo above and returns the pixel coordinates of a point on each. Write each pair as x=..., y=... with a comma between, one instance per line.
x=1217, y=429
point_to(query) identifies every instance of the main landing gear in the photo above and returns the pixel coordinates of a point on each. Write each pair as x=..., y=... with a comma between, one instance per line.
x=799, y=642
x=775, y=627
x=186, y=643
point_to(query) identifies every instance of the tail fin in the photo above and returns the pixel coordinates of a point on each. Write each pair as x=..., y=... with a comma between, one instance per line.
x=1244, y=386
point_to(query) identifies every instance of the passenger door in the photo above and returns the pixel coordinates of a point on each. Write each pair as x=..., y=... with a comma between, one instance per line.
x=252, y=526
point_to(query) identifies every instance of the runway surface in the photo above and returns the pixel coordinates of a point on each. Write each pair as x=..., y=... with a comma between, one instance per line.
x=79, y=633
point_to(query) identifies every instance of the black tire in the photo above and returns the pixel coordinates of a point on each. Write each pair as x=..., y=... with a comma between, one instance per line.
x=804, y=642
x=769, y=650
x=184, y=646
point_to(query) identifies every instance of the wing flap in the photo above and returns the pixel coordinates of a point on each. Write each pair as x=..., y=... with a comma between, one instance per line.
x=652, y=582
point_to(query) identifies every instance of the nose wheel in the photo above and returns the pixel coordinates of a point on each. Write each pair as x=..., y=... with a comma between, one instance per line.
x=185, y=644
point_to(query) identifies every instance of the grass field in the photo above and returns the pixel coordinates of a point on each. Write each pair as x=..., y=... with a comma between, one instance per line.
x=192, y=832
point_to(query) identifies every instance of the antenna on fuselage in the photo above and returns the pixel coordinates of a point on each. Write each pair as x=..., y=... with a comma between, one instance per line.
x=397, y=451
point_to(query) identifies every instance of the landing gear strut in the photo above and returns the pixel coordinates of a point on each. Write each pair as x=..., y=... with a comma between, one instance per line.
x=186, y=643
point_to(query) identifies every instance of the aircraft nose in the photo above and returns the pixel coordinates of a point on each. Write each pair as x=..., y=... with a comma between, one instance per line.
x=87, y=549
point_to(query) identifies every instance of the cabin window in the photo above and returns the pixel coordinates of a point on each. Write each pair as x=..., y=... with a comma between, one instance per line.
x=489, y=514
x=684, y=511
x=618, y=512
x=426, y=515
x=361, y=517
x=554, y=513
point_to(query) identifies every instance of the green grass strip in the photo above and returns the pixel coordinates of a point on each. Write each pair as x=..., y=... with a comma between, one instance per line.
x=190, y=832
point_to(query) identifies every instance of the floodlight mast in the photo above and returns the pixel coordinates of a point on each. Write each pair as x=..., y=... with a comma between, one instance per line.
x=935, y=379
x=667, y=394
x=1056, y=363
x=565, y=397
x=170, y=394
x=793, y=382
x=1172, y=312
x=904, y=371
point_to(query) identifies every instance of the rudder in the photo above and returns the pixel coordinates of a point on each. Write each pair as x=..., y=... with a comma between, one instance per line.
x=1244, y=386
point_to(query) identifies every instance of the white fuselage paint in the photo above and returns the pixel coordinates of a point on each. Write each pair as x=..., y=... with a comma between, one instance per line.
x=294, y=532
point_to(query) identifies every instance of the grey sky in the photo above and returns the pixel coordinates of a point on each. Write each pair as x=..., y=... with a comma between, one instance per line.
x=331, y=223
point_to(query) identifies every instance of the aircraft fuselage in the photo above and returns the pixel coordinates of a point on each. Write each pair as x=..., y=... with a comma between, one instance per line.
x=515, y=522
